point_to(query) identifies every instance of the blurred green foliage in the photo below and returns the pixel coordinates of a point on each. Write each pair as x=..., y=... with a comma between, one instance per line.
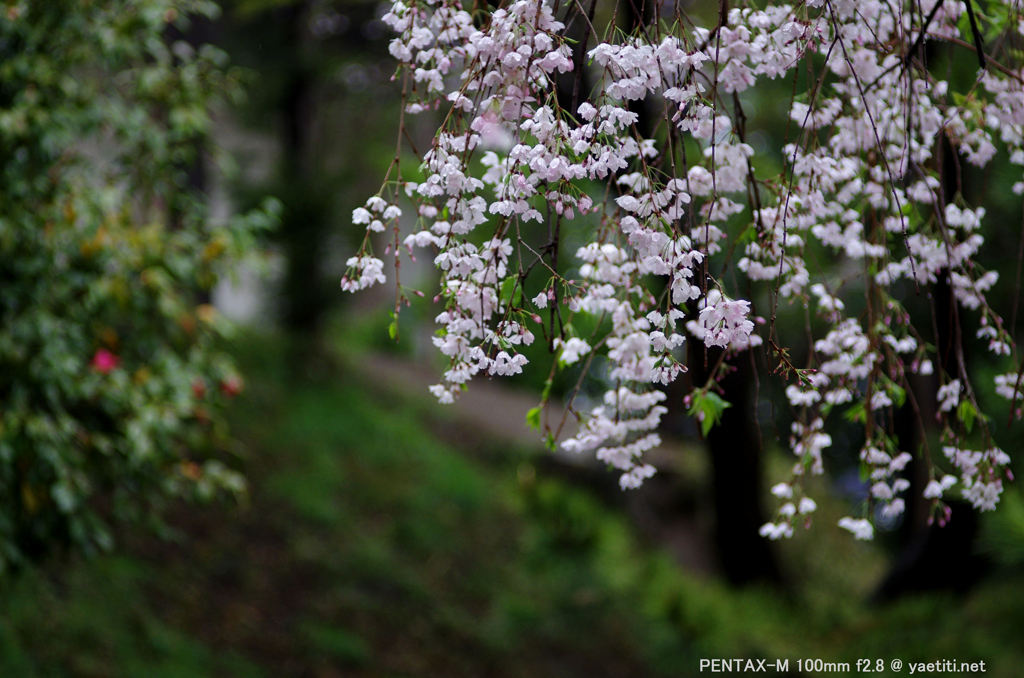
x=109, y=379
x=371, y=548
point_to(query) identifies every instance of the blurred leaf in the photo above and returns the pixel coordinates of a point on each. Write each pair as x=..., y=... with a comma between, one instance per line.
x=707, y=407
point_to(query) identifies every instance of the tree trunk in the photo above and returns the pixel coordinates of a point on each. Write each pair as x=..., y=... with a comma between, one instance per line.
x=923, y=545
x=734, y=446
x=303, y=224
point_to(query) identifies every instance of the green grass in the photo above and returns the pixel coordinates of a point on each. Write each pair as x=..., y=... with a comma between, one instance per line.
x=369, y=547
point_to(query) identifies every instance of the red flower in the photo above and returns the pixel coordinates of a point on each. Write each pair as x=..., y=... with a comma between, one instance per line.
x=231, y=386
x=104, y=361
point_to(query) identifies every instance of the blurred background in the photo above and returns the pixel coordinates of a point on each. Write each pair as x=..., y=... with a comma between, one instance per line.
x=341, y=523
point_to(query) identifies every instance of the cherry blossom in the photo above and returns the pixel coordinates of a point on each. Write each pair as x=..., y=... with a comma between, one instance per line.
x=677, y=238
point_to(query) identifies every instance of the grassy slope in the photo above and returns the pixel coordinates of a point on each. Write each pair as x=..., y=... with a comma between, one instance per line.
x=370, y=548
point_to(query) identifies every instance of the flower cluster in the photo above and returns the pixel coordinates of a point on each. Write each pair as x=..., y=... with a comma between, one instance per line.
x=981, y=473
x=543, y=142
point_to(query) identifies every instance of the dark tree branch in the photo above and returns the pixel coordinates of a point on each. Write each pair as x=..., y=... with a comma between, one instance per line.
x=978, y=41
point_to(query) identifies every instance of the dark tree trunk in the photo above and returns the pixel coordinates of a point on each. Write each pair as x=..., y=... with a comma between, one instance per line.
x=735, y=449
x=937, y=559
x=306, y=209
x=924, y=544
x=734, y=445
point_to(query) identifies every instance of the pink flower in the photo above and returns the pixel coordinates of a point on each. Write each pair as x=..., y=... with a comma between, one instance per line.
x=104, y=361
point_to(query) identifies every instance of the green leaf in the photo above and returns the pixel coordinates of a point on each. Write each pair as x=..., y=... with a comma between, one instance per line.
x=708, y=408
x=533, y=418
x=856, y=413
x=507, y=287
x=547, y=390
x=966, y=413
x=899, y=395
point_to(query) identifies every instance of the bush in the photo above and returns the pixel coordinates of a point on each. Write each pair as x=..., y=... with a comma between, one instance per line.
x=110, y=379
